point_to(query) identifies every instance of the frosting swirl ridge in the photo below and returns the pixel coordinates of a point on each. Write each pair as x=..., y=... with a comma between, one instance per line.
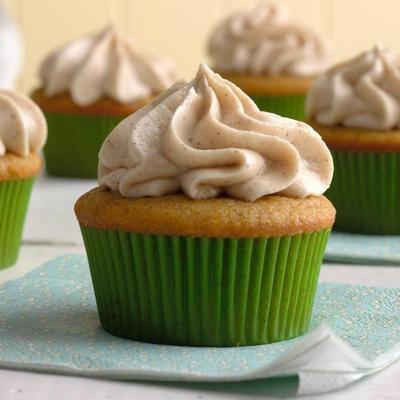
x=105, y=64
x=264, y=40
x=207, y=138
x=363, y=92
x=23, y=128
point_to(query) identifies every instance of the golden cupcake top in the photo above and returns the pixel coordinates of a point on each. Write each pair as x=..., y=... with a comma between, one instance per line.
x=265, y=41
x=208, y=138
x=222, y=217
x=23, y=128
x=363, y=92
x=339, y=137
x=106, y=64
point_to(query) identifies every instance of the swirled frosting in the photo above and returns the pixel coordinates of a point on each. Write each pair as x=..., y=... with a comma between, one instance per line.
x=265, y=41
x=105, y=64
x=362, y=93
x=207, y=138
x=23, y=128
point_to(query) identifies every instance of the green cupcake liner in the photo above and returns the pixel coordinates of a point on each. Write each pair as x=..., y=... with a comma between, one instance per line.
x=286, y=106
x=14, y=199
x=74, y=142
x=204, y=291
x=366, y=192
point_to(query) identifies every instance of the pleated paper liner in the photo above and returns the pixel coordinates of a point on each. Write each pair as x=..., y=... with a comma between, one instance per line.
x=14, y=199
x=286, y=106
x=74, y=142
x=366, y=192
x=204, y=291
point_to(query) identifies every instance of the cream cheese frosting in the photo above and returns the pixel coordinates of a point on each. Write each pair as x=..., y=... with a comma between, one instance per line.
x=264, y=40
x=208, y=138
x=361, y=93
x=23, y=128
x=105, y=64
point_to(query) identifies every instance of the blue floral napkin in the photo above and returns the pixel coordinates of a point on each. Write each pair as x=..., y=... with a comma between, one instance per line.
x=363, y=249
x=48, y=322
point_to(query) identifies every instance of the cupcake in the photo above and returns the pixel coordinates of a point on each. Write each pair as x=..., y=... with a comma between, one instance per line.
x=355, y=106
x=270, y=57
x=208, y=227
x=23, y=133
x=88, y=86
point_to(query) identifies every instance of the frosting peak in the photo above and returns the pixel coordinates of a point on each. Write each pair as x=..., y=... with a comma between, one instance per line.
x=105, y=64
x=363, y=92
x=207, y=137
x=23, y=127
x=264, y=40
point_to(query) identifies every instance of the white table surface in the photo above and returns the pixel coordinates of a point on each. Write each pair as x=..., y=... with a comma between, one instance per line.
x=52, y=206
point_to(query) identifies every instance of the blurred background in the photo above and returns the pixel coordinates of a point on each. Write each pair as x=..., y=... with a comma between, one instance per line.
x=178, y=29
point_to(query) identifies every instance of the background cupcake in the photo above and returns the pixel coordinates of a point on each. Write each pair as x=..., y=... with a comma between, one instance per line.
x=270, y=57
x=88, y=86
x=355, y=106
x=234, y=259
x=23, y=133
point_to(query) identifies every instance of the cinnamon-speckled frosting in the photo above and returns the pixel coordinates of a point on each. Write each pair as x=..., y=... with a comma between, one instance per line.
x=105, y=64
x=23, y=128
x=207, y=138
x=264, y=40
x=361, y=93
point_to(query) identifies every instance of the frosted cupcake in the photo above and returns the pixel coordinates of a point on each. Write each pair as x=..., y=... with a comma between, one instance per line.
x=273, y=59
x=355, y=106
x=209, y=226
x=23, y=133
x=88, y=86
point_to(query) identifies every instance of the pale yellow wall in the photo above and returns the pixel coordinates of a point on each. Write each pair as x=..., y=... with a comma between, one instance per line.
x=178, y=28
